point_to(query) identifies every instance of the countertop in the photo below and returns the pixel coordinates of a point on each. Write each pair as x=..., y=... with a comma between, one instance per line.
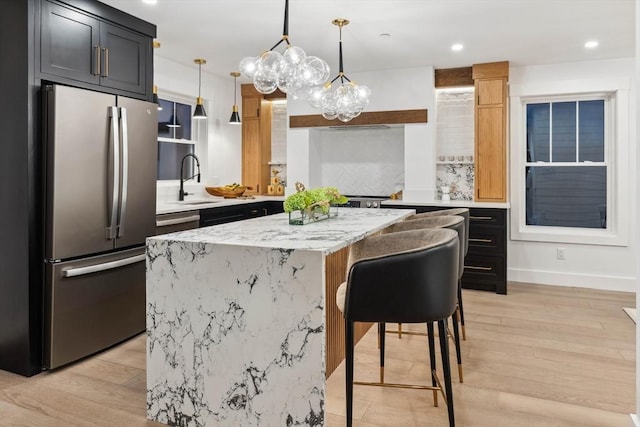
x=452, y=204
x=274, y=231
x=236, y=311
x=209, y=202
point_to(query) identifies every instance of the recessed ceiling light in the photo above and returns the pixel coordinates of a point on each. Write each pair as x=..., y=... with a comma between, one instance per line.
x=150, y=1
x=457, y=47
x=384, y=35
x=591, y=44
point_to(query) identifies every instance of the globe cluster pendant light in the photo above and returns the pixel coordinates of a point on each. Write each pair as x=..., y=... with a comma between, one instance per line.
x=345, y=100
x=293, y=72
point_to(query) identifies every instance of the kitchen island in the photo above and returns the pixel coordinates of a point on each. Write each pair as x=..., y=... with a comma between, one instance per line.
x=241, y=318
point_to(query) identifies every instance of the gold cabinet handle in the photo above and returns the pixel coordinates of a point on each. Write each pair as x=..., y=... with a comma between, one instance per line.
x=106, y=62
x=96, y=69
x=480, y=240
x=481, y=218
x=473, y=267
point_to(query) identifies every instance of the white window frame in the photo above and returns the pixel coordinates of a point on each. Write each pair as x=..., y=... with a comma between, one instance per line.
x=617, y=159
x=198, y=136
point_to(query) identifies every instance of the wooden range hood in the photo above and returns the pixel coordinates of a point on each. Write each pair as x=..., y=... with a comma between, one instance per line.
x=394, y=117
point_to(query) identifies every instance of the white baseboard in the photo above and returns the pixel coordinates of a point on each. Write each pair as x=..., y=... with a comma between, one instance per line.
x=608, y=283
x=636, y=422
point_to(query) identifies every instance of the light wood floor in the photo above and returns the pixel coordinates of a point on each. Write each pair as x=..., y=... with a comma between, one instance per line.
x=540, y=356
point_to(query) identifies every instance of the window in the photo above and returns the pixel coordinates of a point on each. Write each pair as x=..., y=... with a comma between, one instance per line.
x=575, y=132
x=174, y=139
x=566, y=167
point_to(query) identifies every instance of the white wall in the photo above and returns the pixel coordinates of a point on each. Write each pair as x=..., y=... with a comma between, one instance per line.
x=223, y=150
x=411, y=88
x=586, y=265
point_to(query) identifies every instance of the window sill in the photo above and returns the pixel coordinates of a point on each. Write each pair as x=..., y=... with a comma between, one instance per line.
x=581, y=236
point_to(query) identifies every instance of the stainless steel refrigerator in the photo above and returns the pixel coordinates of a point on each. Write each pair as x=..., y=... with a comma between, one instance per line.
x=100, y=174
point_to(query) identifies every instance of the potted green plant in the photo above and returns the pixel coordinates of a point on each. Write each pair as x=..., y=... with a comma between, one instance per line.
x=312, y=205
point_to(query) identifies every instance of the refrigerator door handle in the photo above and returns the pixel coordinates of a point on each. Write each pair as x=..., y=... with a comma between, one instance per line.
x=115, y=147
x=81, y=271
x=125, y=169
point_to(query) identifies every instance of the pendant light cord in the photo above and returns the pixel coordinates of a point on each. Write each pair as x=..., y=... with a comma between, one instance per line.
x=341, y=74
x=199, y=78
x=285, y=27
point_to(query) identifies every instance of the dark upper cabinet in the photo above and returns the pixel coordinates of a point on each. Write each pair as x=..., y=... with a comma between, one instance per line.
x=69, y=44
x=83, y=48
x=124, y=58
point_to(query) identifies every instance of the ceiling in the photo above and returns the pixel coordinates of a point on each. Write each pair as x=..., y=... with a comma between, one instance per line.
x=421, y=32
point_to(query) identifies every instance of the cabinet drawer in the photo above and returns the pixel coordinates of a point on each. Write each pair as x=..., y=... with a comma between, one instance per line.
x=170, y=223
x=481, y=217
x=485, y=273
x=486, y=241
x=222, y=215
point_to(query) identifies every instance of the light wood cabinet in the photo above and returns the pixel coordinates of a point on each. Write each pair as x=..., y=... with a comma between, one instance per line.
x=491, y=131
x=256, y=140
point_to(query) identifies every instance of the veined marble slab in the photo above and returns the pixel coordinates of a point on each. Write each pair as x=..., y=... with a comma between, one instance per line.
x=235, y=319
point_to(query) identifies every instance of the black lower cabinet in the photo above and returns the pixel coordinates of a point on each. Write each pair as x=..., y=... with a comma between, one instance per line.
x=485, y=266
x=224, y=214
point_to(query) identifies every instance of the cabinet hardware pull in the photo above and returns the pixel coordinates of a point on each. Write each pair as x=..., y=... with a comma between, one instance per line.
x=480, y=240
x=174, y=221
x=473, y=267
x=266, y=212
x=96, y=71
x=106, y=62
x=482, y=218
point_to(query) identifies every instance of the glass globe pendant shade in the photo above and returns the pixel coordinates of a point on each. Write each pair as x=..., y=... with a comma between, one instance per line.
x=314, y=96
x=271, y=61
x=265, y=81
x=293, y=55
x=248, y=66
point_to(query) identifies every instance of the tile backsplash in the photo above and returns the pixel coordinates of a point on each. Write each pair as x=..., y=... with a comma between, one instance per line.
x=458, y=177
x=367, y=162
x=455, y=136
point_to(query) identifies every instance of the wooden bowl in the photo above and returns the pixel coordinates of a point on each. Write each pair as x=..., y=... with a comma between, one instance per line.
x=226, y=192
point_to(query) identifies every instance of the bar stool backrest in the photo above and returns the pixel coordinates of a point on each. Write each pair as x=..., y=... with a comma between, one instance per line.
x=404, y=277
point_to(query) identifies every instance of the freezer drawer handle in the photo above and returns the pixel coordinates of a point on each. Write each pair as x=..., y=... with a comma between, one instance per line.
x=481, y=218
x=174, y=221
x=81, y=271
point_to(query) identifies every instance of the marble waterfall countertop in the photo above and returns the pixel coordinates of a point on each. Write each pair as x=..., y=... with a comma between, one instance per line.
x=274, y=231
x=236, y=319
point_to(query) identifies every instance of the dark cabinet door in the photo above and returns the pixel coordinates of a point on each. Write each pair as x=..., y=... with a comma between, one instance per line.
x=69, y=44
x=124, y=58
x=76, y=47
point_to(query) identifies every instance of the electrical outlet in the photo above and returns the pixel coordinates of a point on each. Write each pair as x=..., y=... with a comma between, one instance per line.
x=560, y=253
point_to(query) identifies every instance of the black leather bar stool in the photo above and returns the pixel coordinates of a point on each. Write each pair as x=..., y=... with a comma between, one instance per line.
x=457, y=224
x=408, y=277
x=464, y=212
